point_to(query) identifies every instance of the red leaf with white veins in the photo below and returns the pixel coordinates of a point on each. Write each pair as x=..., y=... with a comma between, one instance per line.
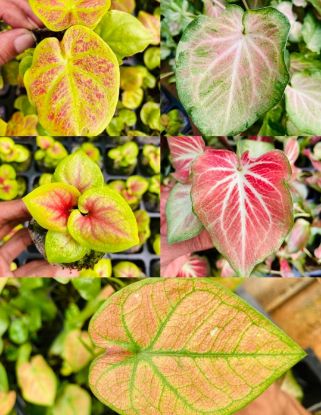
x=244, y=203
x=183, y=151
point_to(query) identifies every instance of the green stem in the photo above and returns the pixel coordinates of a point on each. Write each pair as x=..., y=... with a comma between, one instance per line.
x=245, y=4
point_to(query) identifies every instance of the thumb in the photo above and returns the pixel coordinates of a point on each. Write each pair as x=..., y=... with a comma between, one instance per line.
x=13, y=42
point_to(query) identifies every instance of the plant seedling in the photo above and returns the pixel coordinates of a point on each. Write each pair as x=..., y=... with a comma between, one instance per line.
x=151, y=158
x=203, y=351
x=77, y=218
x=123, y=159
x=132, y=190
x=17, y=155
x=50, y=153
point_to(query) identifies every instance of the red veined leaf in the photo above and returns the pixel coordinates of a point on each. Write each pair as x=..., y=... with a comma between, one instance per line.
x=230, y=70
x=74, y=84
x=183, y=151
x=292, y=150
x=194, y=266
x=58, y=15
x=79, y=171
x=182, y=223
x=51, y=204
x=185, y=347
x=244, y=203
x=103, y=221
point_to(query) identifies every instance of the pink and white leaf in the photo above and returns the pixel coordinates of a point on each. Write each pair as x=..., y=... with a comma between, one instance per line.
x=292, y=150
x=244, y=203
x=183, y=151
x=194, y=266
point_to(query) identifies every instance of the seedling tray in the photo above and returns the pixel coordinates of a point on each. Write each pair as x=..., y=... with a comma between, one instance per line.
x=146, y=260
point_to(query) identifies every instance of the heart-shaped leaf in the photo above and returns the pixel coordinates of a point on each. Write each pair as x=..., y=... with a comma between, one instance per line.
x=74, y=84
x=37, y=381
x=73, y=400
x=244, y=203
x=124, y=33
x=58, y=15
x=182, y=223
x=303, y=102
x=50, y=205
x=183, y=151
x=184, y=346
x=103, y=222
x=230, y=70
x=61, y=248
x=77, y=351
x=79, y=171
x=7, y=402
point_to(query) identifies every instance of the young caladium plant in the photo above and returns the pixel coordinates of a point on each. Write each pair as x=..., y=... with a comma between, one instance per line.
x=242, y=201
x=79, y=216
x=201, y=341
x=58, y=15
x=74, y=84
x=230, y=69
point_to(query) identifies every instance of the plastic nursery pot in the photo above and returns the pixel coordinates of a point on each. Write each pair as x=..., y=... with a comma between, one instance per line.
x=152, y=201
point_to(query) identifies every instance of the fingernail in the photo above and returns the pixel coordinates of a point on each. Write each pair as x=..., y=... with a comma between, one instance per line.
x=34, y=25
x=24, y=41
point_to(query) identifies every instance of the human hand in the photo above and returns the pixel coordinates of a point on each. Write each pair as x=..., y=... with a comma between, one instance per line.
x=12, y=214
x=17, y=14
x=274, y=402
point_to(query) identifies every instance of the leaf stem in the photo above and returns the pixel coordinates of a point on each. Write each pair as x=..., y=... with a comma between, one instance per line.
x=245, y=4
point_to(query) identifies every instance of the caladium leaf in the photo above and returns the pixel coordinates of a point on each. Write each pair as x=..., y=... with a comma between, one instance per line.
x=182, y=223
x=303, y=102
x=194, y=266
x=292, y=150
x=7, y=402
x=58, y=15
x=183, y=151
x=61, y=248
x=255, y=148
x=77, y=350
x=230, y=70
x=202, y=350
x=79, y=171
x=244, y=203
x=103, y=221
x=74, y=84
x=51, y=204
x=37, y=381
x=73, y=400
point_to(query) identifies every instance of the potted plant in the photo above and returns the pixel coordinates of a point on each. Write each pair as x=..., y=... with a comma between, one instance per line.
x=132, y=190
x=77, y=218
x=50, y=153
x=123, y=158
x=17, y=155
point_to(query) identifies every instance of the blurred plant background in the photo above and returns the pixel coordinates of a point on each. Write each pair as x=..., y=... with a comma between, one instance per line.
x=131, y=166
x=302, y=55
x=45, y=349
x=300, y=255
x=138, y=110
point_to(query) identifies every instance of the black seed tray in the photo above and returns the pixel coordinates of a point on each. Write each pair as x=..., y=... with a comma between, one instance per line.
x=146, y=259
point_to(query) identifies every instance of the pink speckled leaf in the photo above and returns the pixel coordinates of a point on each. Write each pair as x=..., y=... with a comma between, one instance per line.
x=184, y=346
x=103, y=221
x=244, y=203
x=183, y=151
x=58, y=15
x=230, y=70
x=182, y=223
x=74, y=84
x=50, y=205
